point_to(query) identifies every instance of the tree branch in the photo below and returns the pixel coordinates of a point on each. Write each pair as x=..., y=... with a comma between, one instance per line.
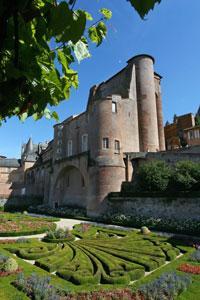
x=16, y=40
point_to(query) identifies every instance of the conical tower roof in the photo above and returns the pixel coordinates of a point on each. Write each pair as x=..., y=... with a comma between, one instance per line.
x=29, y=145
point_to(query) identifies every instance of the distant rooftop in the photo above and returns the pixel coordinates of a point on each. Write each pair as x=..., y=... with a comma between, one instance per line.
x=31, y=151
x=10, y=162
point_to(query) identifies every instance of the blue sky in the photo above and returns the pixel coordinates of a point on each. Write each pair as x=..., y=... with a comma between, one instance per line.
x=171, y=33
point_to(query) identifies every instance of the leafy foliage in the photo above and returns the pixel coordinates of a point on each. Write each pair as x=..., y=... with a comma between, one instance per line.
x=195, y=256
x=34, y=35
x=186, y=176
x=197, y=120
x=36, y=286
x=158, y=176
x=167, y=286
x=30, y=79
x=154, y=176
x=143, y=6
x=10, y=265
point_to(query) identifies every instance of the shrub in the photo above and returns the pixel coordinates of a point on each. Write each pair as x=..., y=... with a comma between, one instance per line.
x=22, y=241
x=67, y=211
x=37, y=287
x=167, y=286
x=10, y=265
x=189, y=226
x=195, y=256
x=154, y=176
x=37, y=252
x=185, y=176
x=61, y=234
x=3, y=259
x=145, y=230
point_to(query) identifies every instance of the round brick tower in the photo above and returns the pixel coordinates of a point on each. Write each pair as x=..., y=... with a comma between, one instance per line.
x=160, y=122
x=108, y=170
x=146, y=97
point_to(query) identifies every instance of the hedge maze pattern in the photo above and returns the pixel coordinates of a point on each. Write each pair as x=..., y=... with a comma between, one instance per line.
x=101, y=256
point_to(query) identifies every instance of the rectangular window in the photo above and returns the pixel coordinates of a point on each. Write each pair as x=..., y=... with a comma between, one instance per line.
x=105, y=143
x=114, y=107
x=67, y=181
x=117, y=146
x=84, y=145
x=69, y=148
x=191, y=135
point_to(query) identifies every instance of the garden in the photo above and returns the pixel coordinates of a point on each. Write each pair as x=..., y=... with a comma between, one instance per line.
x=93, y=262
x=16, y=224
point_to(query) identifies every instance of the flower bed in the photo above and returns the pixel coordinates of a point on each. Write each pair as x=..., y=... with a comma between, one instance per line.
x=4, y=274
x=36, y=287
x=167, y=286
x=187, y=268
x=19, y=224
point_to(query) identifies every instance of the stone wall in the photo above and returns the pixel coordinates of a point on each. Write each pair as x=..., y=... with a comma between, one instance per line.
x=11, y=181
x=160, y=207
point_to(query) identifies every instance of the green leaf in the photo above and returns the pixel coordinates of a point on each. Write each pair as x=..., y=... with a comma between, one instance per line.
x=143, y=6
x=24, y=116
x=55, y=115
x=47, y=113
x=106, y=13
x=102, y=30
x=98, y=33
x=60, y=18
x=37, y=116
x=63, y=60
x=88, y=16
x=81, y=51
x=75, y=28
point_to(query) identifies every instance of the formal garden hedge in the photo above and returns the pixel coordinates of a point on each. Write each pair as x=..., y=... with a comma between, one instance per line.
x=100, y=259
x=105, y=256
x=21, y=224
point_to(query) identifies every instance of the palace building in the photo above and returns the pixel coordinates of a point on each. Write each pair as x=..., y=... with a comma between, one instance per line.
x=86, y=159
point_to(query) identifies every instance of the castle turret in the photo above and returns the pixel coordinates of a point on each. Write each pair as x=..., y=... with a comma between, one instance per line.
x=161, y=134
x=146, y=98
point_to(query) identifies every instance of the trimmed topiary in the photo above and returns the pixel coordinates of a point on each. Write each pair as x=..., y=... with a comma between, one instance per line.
x=10, y=265
x=145, y=230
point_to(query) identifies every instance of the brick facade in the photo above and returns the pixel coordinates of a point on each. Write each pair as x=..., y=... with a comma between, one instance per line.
x=85, y=160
